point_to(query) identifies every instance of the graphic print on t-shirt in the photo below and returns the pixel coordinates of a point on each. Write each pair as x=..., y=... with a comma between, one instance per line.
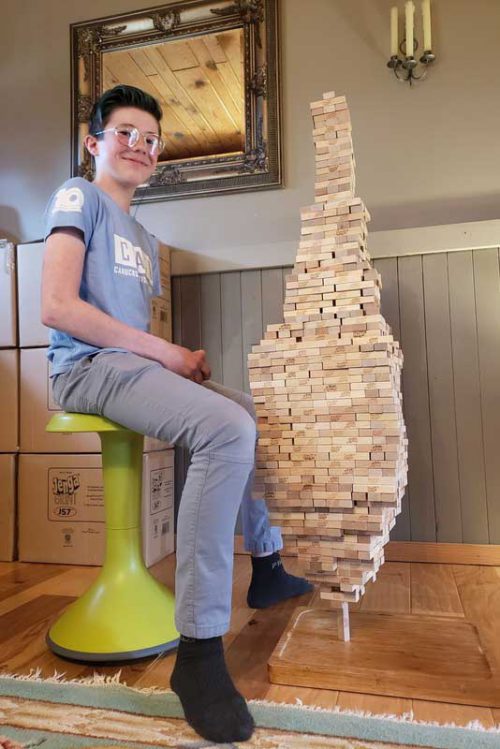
x=132, y=261
x=69, y=200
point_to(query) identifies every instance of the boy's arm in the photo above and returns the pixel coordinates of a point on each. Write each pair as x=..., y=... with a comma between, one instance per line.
x=63, y=309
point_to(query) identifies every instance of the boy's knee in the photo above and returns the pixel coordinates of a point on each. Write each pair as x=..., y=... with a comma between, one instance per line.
x=248, y=404
x=235, y=434
x=245, y=431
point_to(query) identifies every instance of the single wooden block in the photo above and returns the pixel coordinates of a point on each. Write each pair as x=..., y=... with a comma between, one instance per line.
x=425, y=657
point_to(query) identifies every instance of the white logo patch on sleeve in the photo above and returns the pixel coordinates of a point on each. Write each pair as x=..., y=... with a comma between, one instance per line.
x=69, y=200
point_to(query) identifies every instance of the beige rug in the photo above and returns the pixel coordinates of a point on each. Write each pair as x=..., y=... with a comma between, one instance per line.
x=54, y=714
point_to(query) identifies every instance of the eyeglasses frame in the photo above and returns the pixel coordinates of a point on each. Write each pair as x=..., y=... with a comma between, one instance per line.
x=160, y=142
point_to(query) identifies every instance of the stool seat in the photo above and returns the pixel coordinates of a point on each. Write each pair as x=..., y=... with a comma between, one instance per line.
x=126, y=613
x=74, y=422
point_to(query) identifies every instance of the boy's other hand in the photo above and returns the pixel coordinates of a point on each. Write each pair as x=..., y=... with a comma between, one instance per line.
x=204, y=366
x=189, y=364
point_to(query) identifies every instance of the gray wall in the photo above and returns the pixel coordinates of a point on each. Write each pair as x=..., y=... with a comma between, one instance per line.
x=445, y=310
x=429, y=155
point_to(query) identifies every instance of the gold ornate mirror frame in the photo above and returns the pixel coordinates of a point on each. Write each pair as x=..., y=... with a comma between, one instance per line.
x=255, y=161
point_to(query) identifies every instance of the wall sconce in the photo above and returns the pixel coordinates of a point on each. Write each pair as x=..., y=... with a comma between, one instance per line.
x=405, y=67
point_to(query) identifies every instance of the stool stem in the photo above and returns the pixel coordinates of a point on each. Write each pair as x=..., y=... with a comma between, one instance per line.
x=122, y=471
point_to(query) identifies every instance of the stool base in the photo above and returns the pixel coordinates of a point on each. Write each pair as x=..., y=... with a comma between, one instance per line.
x=125, y=614
x=131, y=655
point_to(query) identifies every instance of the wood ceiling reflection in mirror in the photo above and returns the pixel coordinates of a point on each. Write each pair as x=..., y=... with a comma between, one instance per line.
x=199, y=85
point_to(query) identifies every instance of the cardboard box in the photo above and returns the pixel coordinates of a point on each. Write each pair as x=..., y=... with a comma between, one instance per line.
x=7, y=507
x=158, y=505
x=37, y=406
x=9, y=400
x=29, y=281
x=164, y=265
x=161, y=306
x=61, y=508
x=161, y=318
x=29, y=271
x=8, y=307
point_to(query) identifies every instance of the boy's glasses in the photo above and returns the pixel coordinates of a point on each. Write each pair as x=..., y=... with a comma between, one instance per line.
x=129, y=136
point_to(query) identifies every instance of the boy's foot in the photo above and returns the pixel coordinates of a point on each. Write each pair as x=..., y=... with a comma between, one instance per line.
x=212, y=704
x=271, y=583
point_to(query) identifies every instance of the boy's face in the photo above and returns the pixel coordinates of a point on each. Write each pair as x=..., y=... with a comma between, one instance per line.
x=129, y=166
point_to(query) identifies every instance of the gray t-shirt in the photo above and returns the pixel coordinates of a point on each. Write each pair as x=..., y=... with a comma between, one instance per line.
x=120, y=271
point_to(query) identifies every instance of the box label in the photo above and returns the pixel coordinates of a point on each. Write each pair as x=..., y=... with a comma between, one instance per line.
x=75, y=495
x=162, y=490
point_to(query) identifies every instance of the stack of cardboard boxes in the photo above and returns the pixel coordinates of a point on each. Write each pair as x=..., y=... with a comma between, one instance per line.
x=60, y=512
x=9, y=400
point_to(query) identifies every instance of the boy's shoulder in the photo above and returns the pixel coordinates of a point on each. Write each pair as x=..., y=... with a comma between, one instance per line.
x=73, y=194
x=77, y=186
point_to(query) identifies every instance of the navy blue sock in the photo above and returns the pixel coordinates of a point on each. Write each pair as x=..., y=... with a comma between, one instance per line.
x=271, y=583
x=212, y=704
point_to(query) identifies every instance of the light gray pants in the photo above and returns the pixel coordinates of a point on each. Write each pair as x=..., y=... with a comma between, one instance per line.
x=217, y=425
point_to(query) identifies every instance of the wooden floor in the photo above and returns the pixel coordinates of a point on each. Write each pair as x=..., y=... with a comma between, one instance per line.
x=31, y=595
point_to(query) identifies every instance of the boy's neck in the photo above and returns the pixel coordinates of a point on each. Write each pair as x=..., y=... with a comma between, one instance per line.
x=120, y=194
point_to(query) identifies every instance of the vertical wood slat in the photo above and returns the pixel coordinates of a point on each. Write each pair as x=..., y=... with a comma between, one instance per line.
x=286, y=272
x=251, y=317
x=389, y=300
x=176, y=309
x=441, y=398
x=416, y=399
x=191, y=312
x=487, y=287
x=211, y=323
x=467, y=398
x=232, y=344
x=272, y=297
x=388, y=269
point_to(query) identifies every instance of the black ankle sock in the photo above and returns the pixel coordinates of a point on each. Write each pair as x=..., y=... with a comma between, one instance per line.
x=212, y=705
x=271, y=583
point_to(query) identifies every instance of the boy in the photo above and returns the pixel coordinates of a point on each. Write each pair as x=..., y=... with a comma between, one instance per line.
x=100, y=271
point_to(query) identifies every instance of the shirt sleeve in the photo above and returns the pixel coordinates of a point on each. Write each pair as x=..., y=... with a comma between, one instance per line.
x=73, y=205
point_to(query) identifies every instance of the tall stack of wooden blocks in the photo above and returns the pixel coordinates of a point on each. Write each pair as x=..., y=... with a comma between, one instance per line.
x=332, y=456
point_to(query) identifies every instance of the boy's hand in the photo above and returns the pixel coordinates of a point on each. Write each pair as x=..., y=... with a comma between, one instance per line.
x=205, y=370
x=189, y=364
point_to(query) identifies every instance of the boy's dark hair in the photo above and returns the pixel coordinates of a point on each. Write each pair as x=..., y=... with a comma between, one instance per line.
x=121, y=96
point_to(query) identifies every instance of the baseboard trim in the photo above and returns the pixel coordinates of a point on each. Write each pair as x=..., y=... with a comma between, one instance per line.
x=426, y=551
x=442, y=553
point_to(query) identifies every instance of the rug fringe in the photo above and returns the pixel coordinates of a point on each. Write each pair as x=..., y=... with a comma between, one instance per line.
x=473, y=725
x=96, y=680
x=102, y=680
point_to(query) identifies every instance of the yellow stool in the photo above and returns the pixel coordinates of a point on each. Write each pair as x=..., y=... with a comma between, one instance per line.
x=126, y=613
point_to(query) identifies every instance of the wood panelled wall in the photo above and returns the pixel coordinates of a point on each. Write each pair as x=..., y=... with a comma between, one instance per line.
x=445, y=310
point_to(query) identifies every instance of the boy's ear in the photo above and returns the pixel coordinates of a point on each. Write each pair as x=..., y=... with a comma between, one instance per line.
x=91, y=144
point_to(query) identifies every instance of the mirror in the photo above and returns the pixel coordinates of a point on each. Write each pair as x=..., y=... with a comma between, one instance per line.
x=213, y=67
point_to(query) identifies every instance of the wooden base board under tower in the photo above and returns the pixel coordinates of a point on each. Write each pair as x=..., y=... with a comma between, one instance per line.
x=424, y=657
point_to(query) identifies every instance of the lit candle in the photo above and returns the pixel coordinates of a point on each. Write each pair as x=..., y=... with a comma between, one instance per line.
x=394, y=31
x=409, y=10
x=426, y=22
